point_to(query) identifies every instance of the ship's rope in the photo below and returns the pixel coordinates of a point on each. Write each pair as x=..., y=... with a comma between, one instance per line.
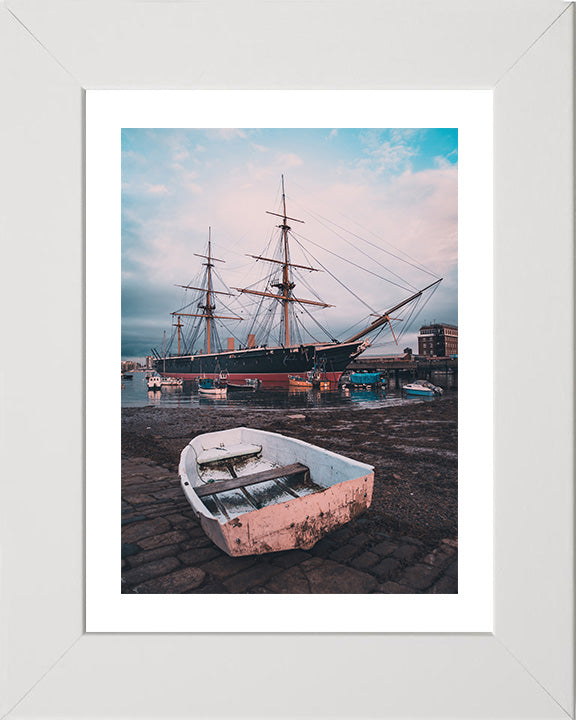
x=362, y=323
x=305, y=332
x=332, y=274
x=414, y=263
x=314, y=320
x=417, y=307
x=370, y=257
x=350, y=262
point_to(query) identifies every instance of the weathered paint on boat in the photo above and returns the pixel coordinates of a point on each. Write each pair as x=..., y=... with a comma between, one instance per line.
x=345, y=492
x=299, y=523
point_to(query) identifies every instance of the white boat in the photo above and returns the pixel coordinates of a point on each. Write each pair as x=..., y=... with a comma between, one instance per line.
x=211, y=388
x=422, y=387
x=256, y=492
x=157, y=382
x=250, y=384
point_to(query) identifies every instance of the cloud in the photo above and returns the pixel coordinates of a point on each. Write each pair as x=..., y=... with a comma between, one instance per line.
x=405, y=135
x=230, y=133
x=288, y=160
x=156, y=189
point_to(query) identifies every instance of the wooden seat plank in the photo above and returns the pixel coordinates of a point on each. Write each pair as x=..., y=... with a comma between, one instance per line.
x=244, y=480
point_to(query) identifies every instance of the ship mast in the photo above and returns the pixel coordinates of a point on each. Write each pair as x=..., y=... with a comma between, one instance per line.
x=209, y=306
x=179, y=326
x=286, y=285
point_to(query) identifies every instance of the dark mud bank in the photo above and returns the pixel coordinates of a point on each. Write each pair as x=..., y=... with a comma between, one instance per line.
x=413, y=449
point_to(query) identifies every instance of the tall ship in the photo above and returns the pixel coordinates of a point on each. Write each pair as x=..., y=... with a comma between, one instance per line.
x=197, y=338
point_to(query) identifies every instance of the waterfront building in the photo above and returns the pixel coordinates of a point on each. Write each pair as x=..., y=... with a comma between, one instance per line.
x=438, y=340
x=128, y=365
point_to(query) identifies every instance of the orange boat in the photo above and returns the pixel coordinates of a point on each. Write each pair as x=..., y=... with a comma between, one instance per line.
x=295, y=381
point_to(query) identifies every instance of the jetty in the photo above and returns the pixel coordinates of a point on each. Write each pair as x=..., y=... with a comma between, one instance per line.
x=406, y=368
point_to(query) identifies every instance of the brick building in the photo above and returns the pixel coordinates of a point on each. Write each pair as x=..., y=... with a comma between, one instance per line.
x=438, y=340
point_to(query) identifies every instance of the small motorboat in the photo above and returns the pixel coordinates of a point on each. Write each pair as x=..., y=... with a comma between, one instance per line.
x=127, y=376
x=422, y=387
x=256, y=492
x=157, y=382
x=249, y=384
x=211, y=388
x=296, y=381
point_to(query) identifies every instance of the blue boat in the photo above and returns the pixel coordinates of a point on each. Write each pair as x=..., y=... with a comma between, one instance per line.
x=367, y=378
x=422, y=387
x=209, y=386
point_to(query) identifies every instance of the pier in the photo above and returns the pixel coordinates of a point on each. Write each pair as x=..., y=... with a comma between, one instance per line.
x=441, y=371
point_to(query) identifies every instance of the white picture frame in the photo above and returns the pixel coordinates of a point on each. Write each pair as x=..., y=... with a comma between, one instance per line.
x=52, y=53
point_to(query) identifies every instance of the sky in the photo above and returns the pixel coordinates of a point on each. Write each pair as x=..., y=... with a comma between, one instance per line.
x=380, y=211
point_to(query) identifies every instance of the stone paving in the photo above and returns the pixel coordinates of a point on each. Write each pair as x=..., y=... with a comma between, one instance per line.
x=164, y=550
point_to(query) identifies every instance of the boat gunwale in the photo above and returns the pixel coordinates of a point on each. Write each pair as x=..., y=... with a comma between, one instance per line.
x=363, y=468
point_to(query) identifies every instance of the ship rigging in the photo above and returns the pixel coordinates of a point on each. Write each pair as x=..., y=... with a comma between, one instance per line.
x=200, y=348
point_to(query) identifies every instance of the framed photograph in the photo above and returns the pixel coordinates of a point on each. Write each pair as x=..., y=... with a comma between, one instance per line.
x=432, y=172
x=74, y=645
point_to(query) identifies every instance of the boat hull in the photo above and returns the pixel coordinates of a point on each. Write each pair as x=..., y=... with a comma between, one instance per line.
x=299, y=383
x=299, y=524
x=342, y=490
x=272, y=366
x=423, y=393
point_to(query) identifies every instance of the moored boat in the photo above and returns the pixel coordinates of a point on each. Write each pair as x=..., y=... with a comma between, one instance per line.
x=249, y=385
x=211, y=387
x=256, y=492
x=360, y=379
x=423, y=388
x=295, y=381
x=157, y=382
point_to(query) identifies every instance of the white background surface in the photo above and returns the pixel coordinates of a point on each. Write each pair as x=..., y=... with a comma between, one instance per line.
x=51, y=50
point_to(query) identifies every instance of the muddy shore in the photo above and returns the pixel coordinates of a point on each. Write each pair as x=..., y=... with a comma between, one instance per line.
x=413, y=449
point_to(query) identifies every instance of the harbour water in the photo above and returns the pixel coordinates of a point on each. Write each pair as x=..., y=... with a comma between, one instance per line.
x=135, y=393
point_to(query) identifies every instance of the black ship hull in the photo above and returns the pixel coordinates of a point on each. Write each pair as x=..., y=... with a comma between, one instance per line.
x=271, y=365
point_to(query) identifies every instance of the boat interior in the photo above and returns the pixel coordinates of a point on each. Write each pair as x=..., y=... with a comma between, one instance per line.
x=236, y=471
x=237, y=479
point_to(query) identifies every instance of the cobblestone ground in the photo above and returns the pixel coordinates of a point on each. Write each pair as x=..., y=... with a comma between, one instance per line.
x=164, y=550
